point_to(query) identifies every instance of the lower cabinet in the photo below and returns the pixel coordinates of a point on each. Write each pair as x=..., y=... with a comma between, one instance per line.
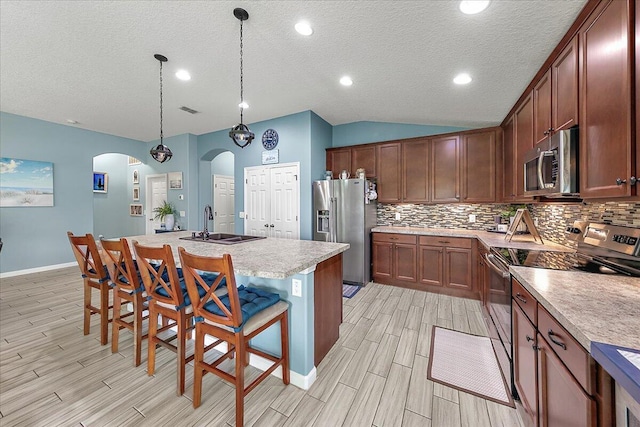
x=554, y=375
x=394, y=258
x=428, y=263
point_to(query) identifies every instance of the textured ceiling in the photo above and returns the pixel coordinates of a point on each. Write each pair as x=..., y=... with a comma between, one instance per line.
x=92, y=61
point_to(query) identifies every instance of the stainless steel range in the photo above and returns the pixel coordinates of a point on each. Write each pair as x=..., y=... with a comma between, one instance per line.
x=601, y=248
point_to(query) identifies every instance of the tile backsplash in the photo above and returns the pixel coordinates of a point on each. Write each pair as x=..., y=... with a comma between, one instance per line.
x=552, y=218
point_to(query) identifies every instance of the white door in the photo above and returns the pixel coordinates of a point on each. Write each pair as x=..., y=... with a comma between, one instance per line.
x=223, y=204
x=272, y=201
x=156, y=194
x=284, y=202
x=256, y=201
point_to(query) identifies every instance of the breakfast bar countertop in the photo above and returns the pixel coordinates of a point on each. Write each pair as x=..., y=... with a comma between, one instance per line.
x=271, y=258
x=489, y=239
x=592, y=307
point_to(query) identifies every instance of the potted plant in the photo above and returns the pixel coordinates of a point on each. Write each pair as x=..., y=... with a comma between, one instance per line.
x=166, y=213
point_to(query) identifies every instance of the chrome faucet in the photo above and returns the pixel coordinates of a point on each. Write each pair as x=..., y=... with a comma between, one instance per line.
x=207, y=218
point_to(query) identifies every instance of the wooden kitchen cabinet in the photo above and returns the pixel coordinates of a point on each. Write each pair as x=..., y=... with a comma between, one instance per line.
x=555, y=96
x=447, y=263
x=508, y=162
x=415, y=171
x=554, y=375
x=394, y=258
x=445, y=169
x=542, y=108
x=364, y=156
x=479, y=167
x=389, y=160
x=607, y=146
x=523, y=142
x=525, y=367
x=338, y=160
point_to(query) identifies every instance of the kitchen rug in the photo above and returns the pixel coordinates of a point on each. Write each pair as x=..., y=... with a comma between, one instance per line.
x=348, y=291
x=467, y=362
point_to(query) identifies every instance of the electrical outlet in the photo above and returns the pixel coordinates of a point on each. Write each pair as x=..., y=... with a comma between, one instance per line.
x=241, y=215
x=181, y=197
x=535, y=222
x=397, y=216
x=183, y=214
x=472, y=218
x=296, y=287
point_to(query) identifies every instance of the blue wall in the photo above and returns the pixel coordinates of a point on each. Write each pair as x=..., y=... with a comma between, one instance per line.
x=36, y=236
x=366, y=132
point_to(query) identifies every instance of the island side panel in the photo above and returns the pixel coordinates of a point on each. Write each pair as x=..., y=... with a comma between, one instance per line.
x=300, y=324
x=327, y=305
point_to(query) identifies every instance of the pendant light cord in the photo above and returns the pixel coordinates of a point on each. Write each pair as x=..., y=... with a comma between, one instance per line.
x=161, y=135
x=241, y=76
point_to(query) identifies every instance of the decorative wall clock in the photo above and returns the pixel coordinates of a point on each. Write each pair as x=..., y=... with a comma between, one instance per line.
x=269, y=139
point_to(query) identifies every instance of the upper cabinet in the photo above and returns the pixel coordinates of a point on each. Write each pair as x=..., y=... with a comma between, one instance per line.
x=415, y=171
x=445, y=169
x=522, y=142
x=479, y=167
x=607, y=145
x=508, y=162
x=389, y=157
x=351, y=159
x=555, y=96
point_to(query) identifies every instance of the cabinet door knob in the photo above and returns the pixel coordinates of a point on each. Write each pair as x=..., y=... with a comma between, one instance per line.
x=529, y=338
x=521, y=298
x=633, y=180
x=546, y=132
x=620, y=181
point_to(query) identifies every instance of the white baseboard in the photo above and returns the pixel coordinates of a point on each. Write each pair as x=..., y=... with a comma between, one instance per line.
x=301, y=381
x=36, y=270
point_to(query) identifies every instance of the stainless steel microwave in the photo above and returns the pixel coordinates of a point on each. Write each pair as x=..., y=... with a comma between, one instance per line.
x=551, y=167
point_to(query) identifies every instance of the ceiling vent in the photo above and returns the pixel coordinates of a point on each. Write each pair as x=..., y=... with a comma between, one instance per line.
x=189, y=110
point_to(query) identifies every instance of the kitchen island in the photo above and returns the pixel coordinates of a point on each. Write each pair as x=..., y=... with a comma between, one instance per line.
x=273, y=264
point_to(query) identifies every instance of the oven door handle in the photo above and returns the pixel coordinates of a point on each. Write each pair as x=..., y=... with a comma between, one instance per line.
x=490, y=260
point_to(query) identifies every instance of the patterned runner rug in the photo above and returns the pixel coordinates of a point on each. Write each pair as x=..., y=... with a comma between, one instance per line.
x=467, y=362
x=348, y=291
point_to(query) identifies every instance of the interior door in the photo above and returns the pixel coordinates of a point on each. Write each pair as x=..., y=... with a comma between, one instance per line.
x=156, y=194
x=223, y=204
x=284, y=202
x=272, y=201
x=256, y=204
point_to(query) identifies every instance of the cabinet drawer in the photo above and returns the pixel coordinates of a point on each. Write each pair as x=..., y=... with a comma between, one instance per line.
x=570, y=352
x=525, y=300
x=450, y=242
x=395, y=238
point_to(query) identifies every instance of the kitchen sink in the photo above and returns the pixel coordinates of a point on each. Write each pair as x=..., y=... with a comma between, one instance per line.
x=222, y=238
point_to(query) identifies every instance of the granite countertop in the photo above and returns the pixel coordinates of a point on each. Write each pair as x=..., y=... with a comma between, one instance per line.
x=592, y=307
x=271, y=258
x=489, y=239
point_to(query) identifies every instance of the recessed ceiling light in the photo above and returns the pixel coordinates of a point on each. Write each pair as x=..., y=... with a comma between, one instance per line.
x=243, y=104
x=183, y=75
x=304, y=28
x=346, y=81
x=471, y=7
x=462, y=79
x=72, y=122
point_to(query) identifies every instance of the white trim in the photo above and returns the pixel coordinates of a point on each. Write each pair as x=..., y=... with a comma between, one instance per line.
x=36, y=270
x=301, y=381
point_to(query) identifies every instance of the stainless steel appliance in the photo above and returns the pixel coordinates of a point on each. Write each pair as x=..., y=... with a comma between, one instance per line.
x=602, y=248
x=344, y=211
x=551, y=167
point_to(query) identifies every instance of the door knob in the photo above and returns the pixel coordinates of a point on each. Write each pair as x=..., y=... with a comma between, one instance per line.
x=272, y=226
x=266, y=225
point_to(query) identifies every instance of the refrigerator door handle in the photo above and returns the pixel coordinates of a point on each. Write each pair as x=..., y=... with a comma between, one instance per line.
x=334, y=219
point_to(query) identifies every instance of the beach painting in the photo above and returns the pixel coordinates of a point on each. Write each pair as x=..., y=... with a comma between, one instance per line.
x=25, y=183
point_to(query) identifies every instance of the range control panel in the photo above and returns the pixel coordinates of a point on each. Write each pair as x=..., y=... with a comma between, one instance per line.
x=617, y=238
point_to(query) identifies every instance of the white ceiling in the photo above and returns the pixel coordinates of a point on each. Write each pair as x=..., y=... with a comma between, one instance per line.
x=92, y=61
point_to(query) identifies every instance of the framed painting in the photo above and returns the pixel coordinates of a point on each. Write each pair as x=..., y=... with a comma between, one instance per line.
x=136, y=176
x=25, y=183
x=136, y=194
x=175, y=180
x=135, y=209
x=100, y=182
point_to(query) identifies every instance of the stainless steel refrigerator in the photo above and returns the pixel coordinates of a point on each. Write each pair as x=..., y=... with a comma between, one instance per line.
x=344, y=212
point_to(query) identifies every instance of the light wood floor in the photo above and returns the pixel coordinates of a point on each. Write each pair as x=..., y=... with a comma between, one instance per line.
x=376, y=375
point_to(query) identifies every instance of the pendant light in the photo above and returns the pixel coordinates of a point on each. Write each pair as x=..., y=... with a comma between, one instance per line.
x=161, y=153
x=240, y=133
